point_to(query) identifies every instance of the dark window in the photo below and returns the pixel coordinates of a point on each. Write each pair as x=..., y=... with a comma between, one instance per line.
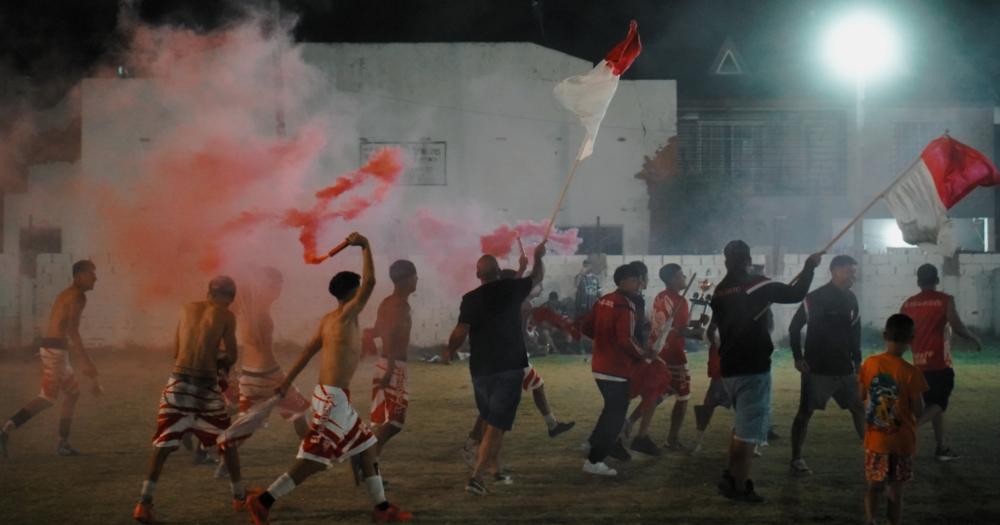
x=35, y=241
x=606, y=239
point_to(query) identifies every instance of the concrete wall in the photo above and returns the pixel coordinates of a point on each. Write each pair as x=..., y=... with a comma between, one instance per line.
x=110, y=320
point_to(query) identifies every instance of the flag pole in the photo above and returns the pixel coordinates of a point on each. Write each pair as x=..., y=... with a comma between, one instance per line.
x=853, y=221
x=562, y=196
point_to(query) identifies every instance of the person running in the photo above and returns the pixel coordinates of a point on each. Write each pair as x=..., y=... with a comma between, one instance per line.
x=611, y=324
x=393, y=323
x=745, y=349
x=336, y=432
x=671, y=323
x=491, y=318
x=892, y=390
x=936, y=316
x=62, y=340
x=832, y=356
x=192, y=401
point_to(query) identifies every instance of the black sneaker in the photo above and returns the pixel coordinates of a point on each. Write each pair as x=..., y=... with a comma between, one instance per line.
x=644, y=445
x=503, y=478
x=474, y=486
x=562, y=426
x=748, y=495
x=618, y=452
x=727, y=485
x=945, y=454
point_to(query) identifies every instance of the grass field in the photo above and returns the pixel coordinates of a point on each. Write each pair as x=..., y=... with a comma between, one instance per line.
x=425, y=466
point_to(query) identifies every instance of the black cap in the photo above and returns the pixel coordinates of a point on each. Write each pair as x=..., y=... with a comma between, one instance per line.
x=927, y=274
x=737, y=251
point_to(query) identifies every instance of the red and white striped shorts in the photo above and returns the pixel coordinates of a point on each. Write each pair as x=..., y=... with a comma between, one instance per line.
x=335, y=431
x=190, y=404
x=57, y=374
x=389, y=404
x=532, y=380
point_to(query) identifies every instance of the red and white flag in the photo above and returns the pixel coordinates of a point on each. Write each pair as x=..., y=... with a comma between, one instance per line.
x=945, y=173
x=590, y=94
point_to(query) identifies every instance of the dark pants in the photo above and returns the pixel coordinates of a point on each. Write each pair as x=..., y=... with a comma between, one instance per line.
x=609, y=425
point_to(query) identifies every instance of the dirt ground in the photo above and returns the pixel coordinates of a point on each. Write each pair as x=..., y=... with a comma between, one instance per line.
x=427, y=473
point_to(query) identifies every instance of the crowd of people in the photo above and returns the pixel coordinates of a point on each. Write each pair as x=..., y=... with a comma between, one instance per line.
x=636, y=355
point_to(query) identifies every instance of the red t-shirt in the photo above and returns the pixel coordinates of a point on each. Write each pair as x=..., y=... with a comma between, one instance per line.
x=671, y=312
x=931, y=345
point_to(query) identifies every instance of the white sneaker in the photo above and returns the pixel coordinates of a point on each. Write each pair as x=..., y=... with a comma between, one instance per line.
x=600, y=469
x=758, y=451
x=799, y=466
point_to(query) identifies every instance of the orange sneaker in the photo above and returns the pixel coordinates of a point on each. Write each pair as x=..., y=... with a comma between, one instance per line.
x=258, y=512
x=143, y=512
x=391, y=514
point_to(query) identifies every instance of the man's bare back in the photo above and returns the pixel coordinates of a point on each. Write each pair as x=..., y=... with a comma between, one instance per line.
x=259, y=289
x=393, y=324
x=201, y=330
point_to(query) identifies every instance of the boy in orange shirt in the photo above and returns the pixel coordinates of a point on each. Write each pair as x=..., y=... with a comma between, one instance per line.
x=893, y=392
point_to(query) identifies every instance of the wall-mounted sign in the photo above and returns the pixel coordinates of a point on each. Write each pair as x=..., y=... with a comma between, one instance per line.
x=429, y=160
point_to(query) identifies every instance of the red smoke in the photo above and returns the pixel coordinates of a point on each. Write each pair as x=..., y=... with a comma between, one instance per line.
x=383, y=169
x=501, y=242
x=164, y=227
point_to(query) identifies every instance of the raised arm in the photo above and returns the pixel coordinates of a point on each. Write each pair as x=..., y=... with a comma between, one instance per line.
x=538, y=268
x=312, y=347
x=360, y=299
x=775, y=292
x=959, y=327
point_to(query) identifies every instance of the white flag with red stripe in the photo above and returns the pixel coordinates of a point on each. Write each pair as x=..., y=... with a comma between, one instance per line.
x=589, y=95
x=945, y=173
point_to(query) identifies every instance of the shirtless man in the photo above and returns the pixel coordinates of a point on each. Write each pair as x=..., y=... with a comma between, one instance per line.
x=336, y=432
x=260, y=372
x=390, y=397
x=192, y=400
x=62, y=339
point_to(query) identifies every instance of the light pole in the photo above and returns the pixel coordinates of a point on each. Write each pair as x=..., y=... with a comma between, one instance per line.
x=860, y=46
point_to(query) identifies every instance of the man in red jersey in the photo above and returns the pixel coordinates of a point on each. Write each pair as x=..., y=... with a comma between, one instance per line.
x=936, y=317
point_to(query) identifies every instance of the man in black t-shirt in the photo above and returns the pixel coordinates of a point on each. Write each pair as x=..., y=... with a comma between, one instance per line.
x=490, y=316
x=739, y=309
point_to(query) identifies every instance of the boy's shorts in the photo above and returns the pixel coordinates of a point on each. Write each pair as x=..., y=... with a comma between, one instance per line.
x=888, y=467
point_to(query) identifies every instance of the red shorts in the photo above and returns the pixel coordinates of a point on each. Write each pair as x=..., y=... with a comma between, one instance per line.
x=532, y=380
x=389, y=404
x=192, y=405
x=257, y=387
x=680, y=382
x=651, y=381
x=335, y=431
x=888, y=467
x=57, y=375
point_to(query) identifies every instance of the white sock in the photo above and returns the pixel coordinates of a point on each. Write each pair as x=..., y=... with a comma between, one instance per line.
x=8, y=427
x=375, y=489
x=239, y=491
x=551, y=421
x=281, y=486
x=146, y=496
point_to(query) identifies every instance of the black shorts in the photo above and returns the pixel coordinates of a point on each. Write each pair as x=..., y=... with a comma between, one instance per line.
x=497, y=397
x=941, y=383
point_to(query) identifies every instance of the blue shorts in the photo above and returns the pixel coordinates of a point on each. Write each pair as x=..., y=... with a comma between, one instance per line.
x=497, y=397
x=751, y=397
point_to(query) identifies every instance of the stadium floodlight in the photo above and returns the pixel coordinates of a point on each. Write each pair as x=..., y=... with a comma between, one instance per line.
x=861, y=45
